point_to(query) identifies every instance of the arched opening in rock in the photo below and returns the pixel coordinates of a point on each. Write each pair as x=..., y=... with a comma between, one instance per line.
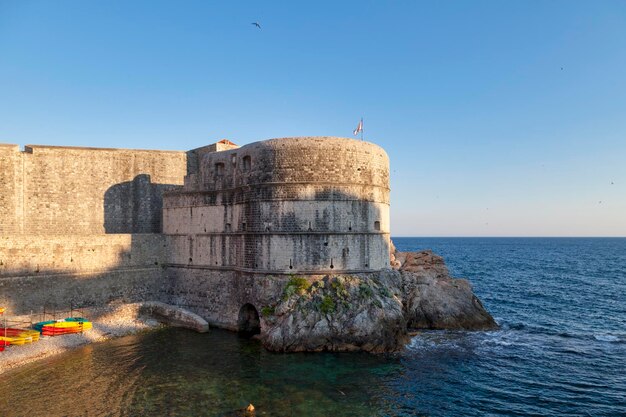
x=249, y=323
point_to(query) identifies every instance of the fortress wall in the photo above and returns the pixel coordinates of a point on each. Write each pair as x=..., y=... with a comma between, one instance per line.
x=48, y=190
x=321, y=160
x=56, y=270
x=280, y=254
x=302, y=234
x=292, y=205
x=76, y=254
x=10, y=189
x=217, y=296
x=356, y=216
x=82, y=225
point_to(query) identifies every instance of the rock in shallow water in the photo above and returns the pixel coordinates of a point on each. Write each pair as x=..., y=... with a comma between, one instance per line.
x=339, y=313
x=434, y=300
x=372, y=312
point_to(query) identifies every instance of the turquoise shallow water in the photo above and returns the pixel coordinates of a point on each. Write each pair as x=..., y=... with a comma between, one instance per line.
x=561, y=351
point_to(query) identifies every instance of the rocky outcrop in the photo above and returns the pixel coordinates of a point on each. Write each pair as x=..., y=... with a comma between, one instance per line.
x=372, y=312
x=173, y=316
x=336, y=313
x=434, y=300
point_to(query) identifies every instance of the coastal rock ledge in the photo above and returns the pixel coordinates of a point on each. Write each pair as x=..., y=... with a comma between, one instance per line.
x=372, y=313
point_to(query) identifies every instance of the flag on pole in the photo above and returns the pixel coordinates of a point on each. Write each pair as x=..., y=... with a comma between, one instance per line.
x=359, y=128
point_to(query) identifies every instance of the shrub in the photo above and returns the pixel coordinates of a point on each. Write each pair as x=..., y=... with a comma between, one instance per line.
x=340, y=287
x=268, y=311
x=296, y=285
x=327, y=305
x=365, y=290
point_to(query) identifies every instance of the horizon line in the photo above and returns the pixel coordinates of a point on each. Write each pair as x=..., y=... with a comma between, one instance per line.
x=515, y=237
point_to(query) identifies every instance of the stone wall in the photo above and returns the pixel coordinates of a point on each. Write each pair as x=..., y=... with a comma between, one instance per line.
x=11, y=185
x=305, y=205
x=219, y=296
x=82, y=225
x=54, y=271
x=48, y=190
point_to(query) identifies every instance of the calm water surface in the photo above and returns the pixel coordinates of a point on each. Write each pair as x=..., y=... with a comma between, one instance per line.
x=561, y=351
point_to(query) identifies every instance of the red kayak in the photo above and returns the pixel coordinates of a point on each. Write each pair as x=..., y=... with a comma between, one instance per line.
x=53, y=330
x=4, y=343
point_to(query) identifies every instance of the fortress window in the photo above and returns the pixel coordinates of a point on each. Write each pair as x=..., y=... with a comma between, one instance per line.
x=247, y=163
x=233, y=159
x=219, y=169
x=376, y=225
x=243, y=227
x=227, y=227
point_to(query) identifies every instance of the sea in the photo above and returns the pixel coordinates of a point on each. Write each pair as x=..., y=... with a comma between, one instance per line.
x=560, y=351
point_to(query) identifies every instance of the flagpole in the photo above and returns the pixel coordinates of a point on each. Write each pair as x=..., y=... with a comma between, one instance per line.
x=361, y=129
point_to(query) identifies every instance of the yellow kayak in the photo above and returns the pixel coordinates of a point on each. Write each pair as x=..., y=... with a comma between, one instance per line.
x=18, y=336
x=34, y=334
x=2, y=309
x=17, y=340
x=70, y=324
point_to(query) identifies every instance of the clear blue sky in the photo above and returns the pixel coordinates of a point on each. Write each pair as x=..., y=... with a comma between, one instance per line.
x=501, y=118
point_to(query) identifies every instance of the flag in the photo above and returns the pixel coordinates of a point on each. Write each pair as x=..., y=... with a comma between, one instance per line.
x=359, y=128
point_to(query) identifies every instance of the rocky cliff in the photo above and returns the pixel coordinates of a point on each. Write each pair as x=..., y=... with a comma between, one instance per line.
x=372, y=313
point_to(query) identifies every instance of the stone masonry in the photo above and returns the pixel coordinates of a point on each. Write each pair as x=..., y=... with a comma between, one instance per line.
x=208, y=229
x=82, y=226
x=292, y=205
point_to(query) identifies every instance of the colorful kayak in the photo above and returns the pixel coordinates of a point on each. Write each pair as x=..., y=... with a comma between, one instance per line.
x=39, y=326
x=70, y=321
x=2, y=309
x=60, y=327
x=17, y=340
x=68, y=324
x=3, y=344
x=24, y=333
x=65, y=328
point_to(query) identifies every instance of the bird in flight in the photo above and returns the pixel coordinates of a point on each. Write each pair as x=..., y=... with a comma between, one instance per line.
x=256, y=24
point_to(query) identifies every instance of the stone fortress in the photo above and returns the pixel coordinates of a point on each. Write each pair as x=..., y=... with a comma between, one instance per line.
x=205, y=229
x=292, y=205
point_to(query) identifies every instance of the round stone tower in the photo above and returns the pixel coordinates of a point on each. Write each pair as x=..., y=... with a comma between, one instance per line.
x=307, y=205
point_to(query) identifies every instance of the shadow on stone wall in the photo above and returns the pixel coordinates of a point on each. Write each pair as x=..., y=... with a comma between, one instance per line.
x=228, y=287
x=62, y=271
x=341, y=215
x=53, y=291
x=135, y=206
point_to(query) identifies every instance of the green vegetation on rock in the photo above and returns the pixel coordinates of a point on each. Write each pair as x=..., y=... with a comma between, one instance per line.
x=268, y=311
x=365, y=291
x=296, y=285
x=338, y=284
x=327, y=305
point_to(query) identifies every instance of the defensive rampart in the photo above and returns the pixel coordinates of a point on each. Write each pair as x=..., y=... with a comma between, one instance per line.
x=51, y=190
x=56, y=271
x=82, y=225
x=292, y=205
